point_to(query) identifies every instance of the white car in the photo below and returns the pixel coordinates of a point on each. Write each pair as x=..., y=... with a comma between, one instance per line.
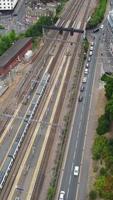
x=91, y=48
x=102, y=26
x=90, y=53
x=87, y=65
x=92, y=43
x=76, y=171
x=89, y=59
x=86, y=71
x=62, y=194
x=84, y=80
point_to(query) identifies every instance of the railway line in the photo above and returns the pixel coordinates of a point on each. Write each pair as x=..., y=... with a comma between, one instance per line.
x=54, y=72
x=23, y=91
x=37, y=66
x=52, y=63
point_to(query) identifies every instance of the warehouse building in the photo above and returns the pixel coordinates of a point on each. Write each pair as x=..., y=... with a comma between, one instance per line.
x=8, y=4
x=14, y=55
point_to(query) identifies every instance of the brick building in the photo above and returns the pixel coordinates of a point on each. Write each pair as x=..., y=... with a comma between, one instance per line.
x=14, y=55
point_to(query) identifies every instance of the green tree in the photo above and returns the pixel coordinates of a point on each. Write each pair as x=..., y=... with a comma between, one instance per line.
x=92, y=195
x=103, y=125
x=12, y=36
x=108, y=85
x=98, y=147
x=36, y=29
x=100, y=184
x=109, y=110
x=103, y=171
x=51, y=193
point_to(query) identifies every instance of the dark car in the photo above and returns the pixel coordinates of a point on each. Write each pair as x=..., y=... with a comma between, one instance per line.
x=96, y=30
x=82, y=88
x=80, y=99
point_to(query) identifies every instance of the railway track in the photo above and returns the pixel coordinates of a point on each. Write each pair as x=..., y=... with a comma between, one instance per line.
x=59, y=49
x=50, y=71
x=41, y=175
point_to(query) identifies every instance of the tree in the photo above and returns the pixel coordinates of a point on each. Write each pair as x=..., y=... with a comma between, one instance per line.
x=103, y=171
x=100, y=184
x=51, y=193
x=92, y=195
x=108, y=85
x=12, y=36
x=36, y=29
x=109, y=110
x=103, y=125
x=98, y=147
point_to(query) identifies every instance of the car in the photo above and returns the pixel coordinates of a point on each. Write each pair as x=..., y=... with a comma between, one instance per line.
x=102, y=26
x=96, y=30
x=86, y=71
x=76, y=171
x=91, y=48
x=80, y=99
x=82, y=88
x=87, y=65
x=90, y=53
x=61, y=196
x=92, y=43
x=84, y=80
x=108, y=73
x=89, y=59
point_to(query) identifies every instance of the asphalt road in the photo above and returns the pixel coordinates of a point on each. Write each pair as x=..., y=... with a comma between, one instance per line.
x=70, y=182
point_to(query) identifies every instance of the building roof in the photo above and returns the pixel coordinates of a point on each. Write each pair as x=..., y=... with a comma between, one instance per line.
x=110, y=18
x=13, y=50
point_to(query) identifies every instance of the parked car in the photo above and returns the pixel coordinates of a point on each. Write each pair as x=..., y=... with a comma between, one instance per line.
x=87, y=65
x=90, y=53
x=84, y=80
x=80, y=99
x=61, y=196
x=86, y=71
x=82, y=88
x=89, y=59
x=96, y=30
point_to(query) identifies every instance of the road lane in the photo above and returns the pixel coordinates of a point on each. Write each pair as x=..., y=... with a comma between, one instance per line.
x=69, y=182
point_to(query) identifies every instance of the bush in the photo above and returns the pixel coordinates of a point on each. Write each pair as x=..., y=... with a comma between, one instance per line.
x=103, y=172
x=98, y=147
x=1, y=27
x=93, y=195
x=51, y=193
x=103, y=125
x=6, y=41
x=36, y=29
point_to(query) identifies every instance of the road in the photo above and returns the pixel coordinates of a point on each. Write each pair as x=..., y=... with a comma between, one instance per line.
x=69, y=182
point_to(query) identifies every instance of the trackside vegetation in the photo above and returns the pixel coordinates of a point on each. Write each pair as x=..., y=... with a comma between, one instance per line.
x=36, y=29
x=97, y=15
x=6, y=41
x=102, y=149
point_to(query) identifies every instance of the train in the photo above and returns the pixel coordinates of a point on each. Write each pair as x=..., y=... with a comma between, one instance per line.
x=7, y=165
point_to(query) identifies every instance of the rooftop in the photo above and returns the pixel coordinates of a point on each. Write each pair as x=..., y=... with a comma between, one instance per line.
x=110, y=18
x=13, y=50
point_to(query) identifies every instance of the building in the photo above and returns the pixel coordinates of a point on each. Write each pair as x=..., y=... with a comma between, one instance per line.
x=7, y=4
x=109, y=32
x=14, y=55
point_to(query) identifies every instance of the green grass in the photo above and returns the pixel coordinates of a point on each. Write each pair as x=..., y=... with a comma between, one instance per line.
x=98, y=14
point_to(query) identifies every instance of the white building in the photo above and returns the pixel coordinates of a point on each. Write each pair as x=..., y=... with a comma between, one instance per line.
x=7, y=4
